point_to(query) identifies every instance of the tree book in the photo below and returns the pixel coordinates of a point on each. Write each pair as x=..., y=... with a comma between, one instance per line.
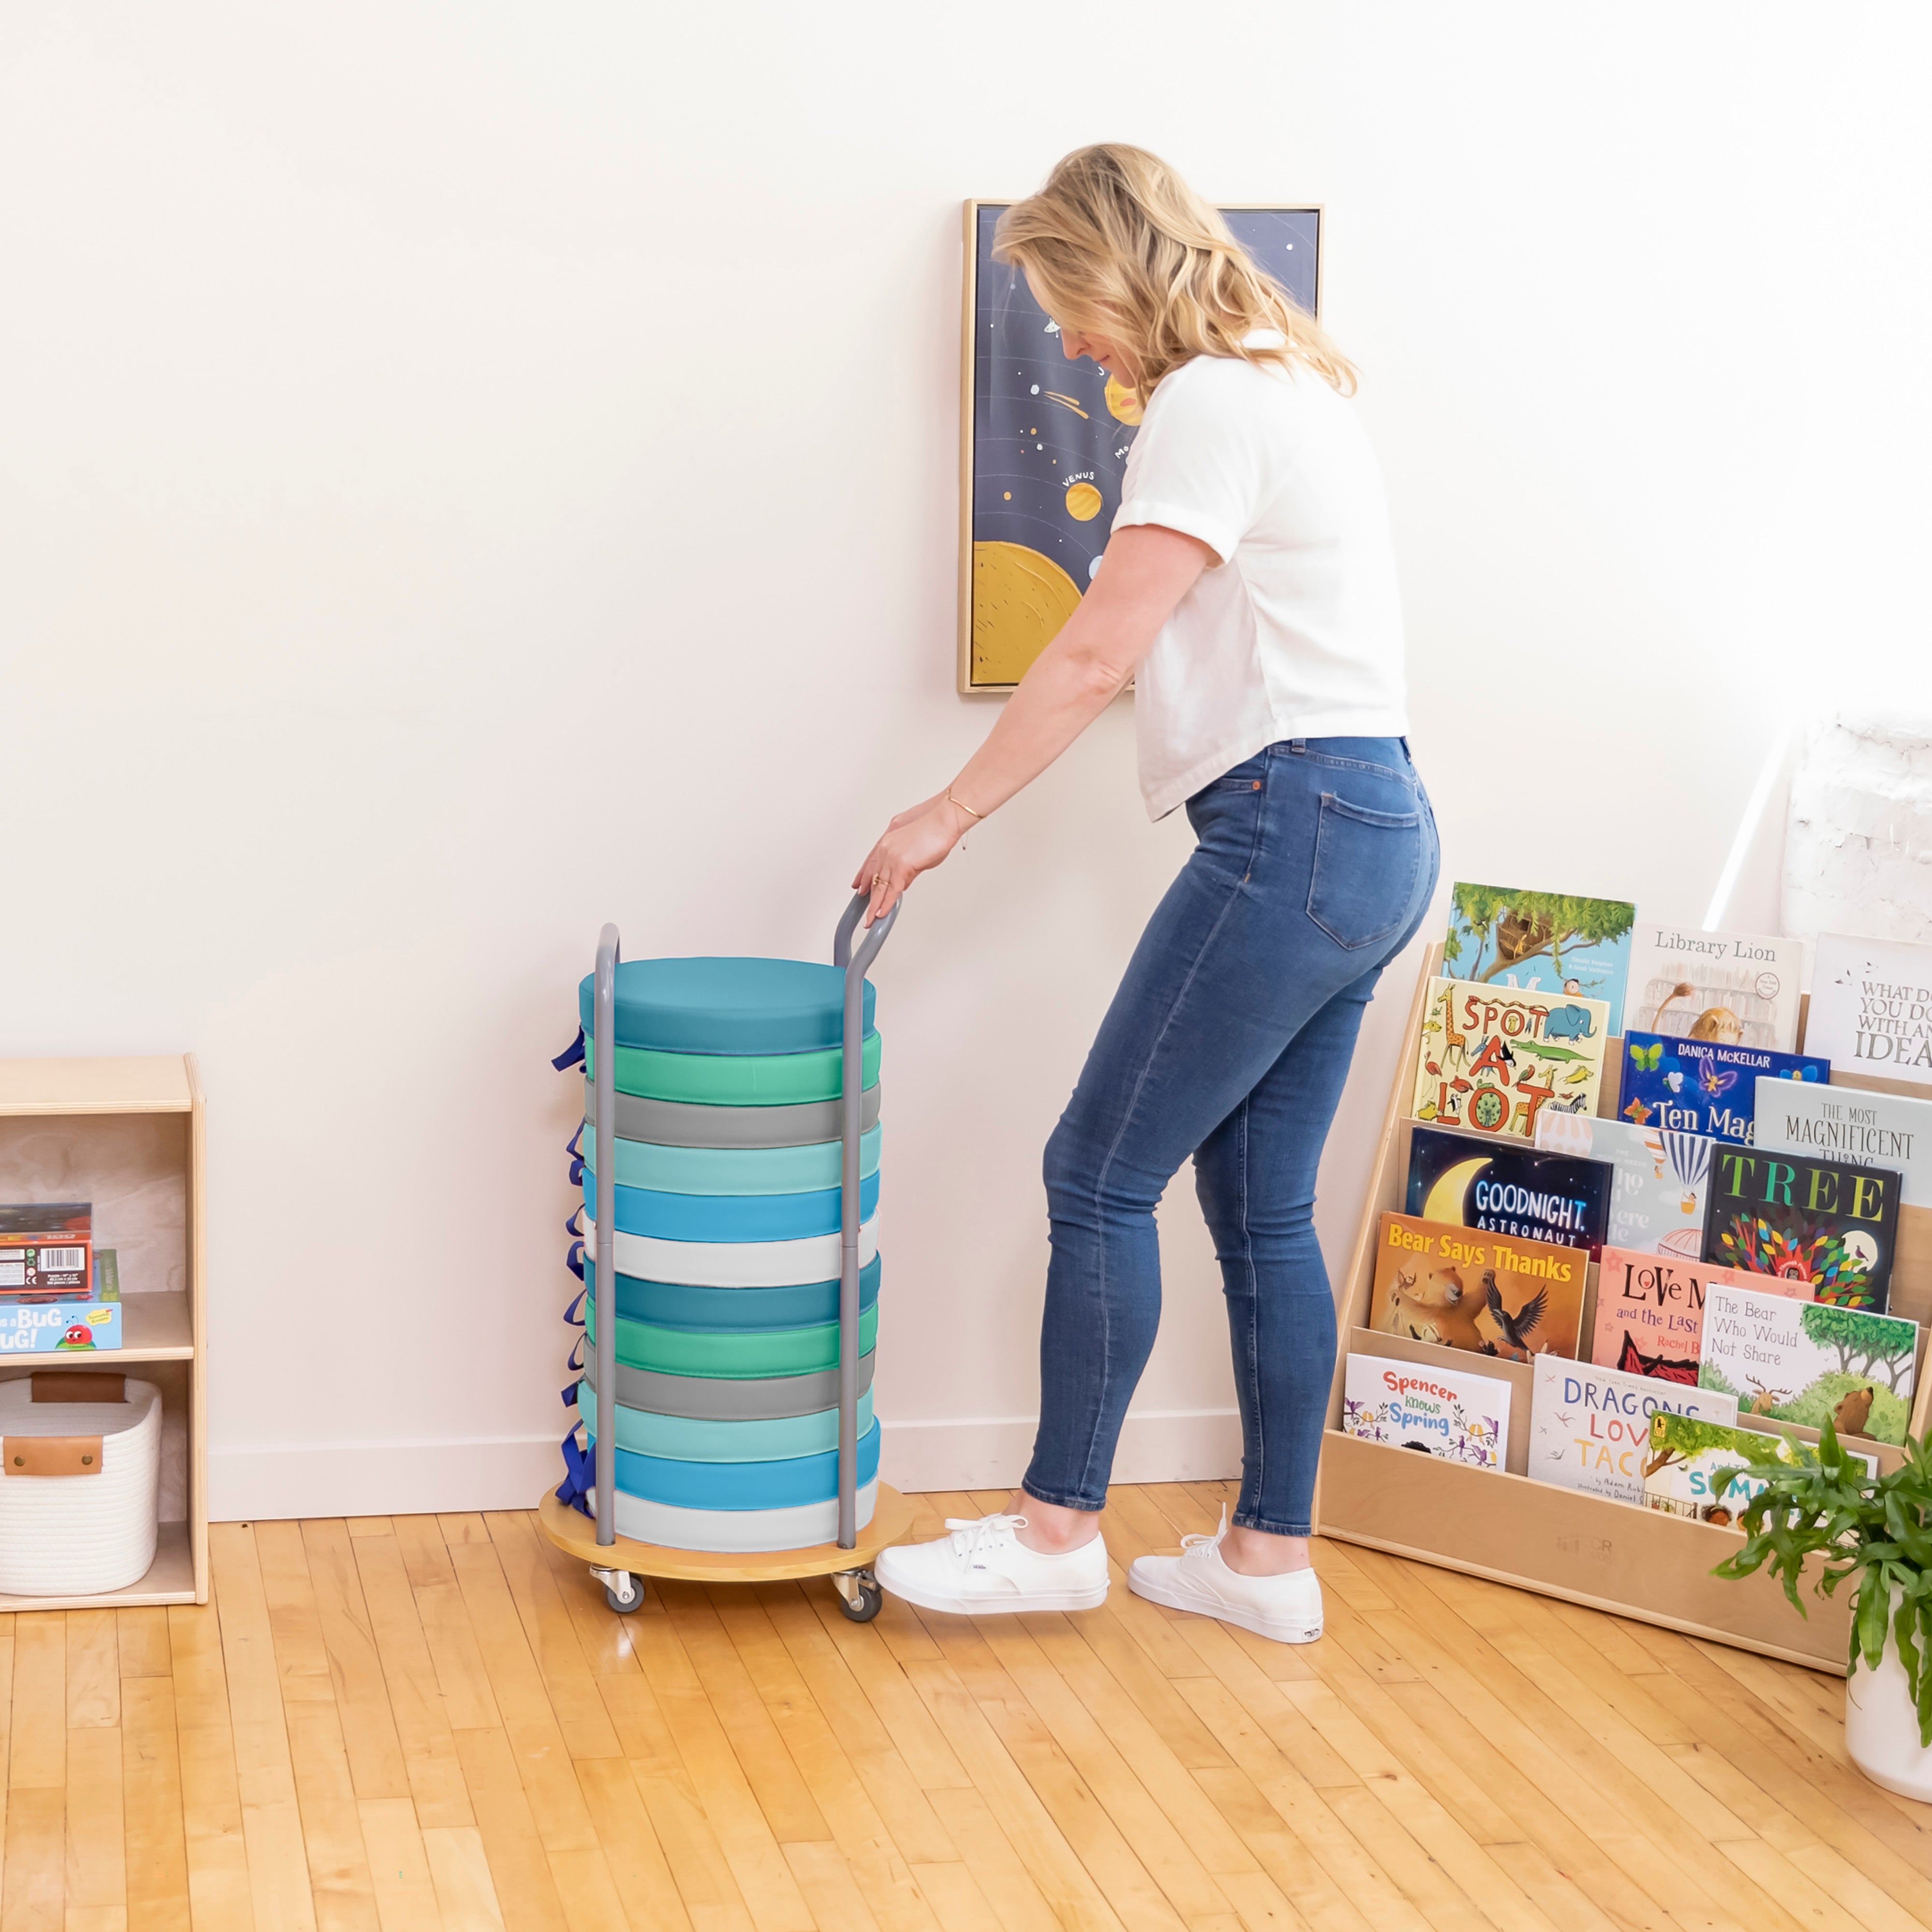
x=1650, y=1312
x=1843, y=1123
x=1871, y=1006
x=1461, y=1417
x=1818, y=1221
x=1733, y=989
x=1589, y=1427
x=1490, y=1294
x=1491, y=1060
x=1551, y=943
x=1505, y=1188
x=1657, y=1205
x=1811, y=1362
x=1698, y=1087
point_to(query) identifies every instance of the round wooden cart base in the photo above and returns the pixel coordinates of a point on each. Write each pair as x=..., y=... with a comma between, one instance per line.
x=622, y=1566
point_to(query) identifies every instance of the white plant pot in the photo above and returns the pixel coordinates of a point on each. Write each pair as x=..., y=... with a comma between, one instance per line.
x=1882, y=1728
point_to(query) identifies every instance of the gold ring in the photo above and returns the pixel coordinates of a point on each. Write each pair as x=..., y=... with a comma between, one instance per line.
x=878, y=878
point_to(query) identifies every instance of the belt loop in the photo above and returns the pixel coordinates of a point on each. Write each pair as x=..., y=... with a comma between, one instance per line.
x=1298, y=747
x=1403, y=742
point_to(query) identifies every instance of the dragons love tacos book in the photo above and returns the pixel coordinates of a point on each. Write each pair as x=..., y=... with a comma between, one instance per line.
x=1589, y=1428
x=1650, y=1311
x=1821, y=1222
x=1698, y=1087
x=1492, y=1060
x=1465, y=1288
x=1551, y=943
x=1507, y=1189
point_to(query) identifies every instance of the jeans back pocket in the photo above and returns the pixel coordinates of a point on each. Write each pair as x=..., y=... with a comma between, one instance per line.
x=1366, y=863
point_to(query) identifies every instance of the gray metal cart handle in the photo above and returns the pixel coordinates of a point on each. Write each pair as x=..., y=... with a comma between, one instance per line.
x=604, y=1049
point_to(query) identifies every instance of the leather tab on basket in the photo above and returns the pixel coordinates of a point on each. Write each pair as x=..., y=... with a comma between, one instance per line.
x=50, y=1456
x=78, y=1385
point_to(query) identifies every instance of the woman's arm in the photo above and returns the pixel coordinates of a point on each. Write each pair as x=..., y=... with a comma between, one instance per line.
x=1147, y=571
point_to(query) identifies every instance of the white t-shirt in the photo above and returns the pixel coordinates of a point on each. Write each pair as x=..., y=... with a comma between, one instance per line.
x=1295, y=631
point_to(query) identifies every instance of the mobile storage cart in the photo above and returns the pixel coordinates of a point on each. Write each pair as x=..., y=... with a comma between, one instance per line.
x=762, y=1083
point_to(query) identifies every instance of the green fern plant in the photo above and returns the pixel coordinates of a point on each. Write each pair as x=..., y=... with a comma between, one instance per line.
x=1875, y=1529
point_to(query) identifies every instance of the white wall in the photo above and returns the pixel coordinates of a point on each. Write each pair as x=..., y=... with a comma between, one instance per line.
x=468, y=473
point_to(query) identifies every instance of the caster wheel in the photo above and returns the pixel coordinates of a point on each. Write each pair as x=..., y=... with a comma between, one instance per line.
x=632, y=1597
x=862, y=1605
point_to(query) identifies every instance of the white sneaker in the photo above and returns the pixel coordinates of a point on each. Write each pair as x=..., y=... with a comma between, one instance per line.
x=1287, y=1608
x=982, y=1567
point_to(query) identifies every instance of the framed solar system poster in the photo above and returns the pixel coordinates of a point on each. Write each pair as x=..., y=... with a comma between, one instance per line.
x=1044, y=443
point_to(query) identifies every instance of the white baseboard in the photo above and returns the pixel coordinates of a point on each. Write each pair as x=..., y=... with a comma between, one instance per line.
x=505, y=1472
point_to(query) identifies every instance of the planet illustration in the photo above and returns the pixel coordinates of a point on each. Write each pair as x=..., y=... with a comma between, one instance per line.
x=1083, y=502
x=1122, y=403
x=1020, y=600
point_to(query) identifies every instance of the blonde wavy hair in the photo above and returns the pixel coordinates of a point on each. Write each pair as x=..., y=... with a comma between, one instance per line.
x=1116, y=241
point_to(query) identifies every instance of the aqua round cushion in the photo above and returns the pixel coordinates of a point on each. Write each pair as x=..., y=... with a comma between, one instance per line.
x=666, y=1304
x=805, y=1527
x=752, y=1398
x=747, y=1218
x=727, y=1006
x=783, y=1484
x=685, y=1123
x=702, y=1170
x=734, y=1263
x=735, y=1079
x=728, y=1353
x=687, y=1439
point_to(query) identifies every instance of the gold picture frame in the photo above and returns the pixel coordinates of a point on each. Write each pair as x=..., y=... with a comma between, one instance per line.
x=1024, y=593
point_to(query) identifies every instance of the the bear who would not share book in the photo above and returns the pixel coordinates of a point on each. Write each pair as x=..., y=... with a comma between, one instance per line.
x=1505, y=1188
x=1550, y=943
x=1491, y=1060
x=1732, y=988
x=1650, y=1311
x=1486, y=1293
x=1589, y=1427
x=1696, y=1086
x=1817, y=1221
x=1448, y=1412
x=1657, y=1205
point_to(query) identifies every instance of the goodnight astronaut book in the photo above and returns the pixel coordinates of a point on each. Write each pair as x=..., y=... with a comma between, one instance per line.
x=1698, y=1087
x=1551, y=943
x=1492, y=1059
x=1446, y=1412
x=1817, y=1221
x=1657, y=1205
x=1485, y=1293
x=1732, y=988
x=1463, y=1180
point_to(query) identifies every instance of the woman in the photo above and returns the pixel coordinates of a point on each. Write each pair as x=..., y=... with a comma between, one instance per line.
x=1249, y=588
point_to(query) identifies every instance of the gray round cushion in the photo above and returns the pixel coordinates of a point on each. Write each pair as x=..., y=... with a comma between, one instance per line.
x=688, y=1124
x=728, y=1399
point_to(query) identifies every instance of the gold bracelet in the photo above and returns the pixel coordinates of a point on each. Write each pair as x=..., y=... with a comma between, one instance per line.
x=962, y=804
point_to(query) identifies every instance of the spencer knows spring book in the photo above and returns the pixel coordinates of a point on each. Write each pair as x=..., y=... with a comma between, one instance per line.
x=1449, y=1412
x=1552, y=943
x=1589, y=1428
x=1489, y=1293
x=1734, y=989
x=1508, y=1189
x=1657, y=1204
x=1698, y=1087
x=1491, y=1060
x=1650, y=1311
x=1816, y=1221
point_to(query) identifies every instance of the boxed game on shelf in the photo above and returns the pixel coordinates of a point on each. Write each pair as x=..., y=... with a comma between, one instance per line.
x=72, y=1324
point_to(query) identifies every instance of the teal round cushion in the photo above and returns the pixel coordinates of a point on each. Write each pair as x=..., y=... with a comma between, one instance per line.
x=727, y=1006
x=688, y=1438
x=735, y=1079
x=743, y=1486
x=703, y=1170
x=732, y=1353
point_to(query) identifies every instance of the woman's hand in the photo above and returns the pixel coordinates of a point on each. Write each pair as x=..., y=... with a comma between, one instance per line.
x=914, y=842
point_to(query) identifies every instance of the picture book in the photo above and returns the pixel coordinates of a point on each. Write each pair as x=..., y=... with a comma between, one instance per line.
x=1589, y=1428
x=1491, y=1060
x=1467, y=1288
x=1545, y=943
x=1688, y=1456
x=1696, y=1086
x=1819, y=1221
x=1871, y=1006
x=1650, y=1311
x=1810, y=1362
x=1732, y=988
x=1449, y=1412
x=1657, y=1205
x=1843, y=1123
x=1507, y=1189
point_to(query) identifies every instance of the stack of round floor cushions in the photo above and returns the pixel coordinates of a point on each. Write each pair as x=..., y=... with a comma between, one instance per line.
x=728, y=1160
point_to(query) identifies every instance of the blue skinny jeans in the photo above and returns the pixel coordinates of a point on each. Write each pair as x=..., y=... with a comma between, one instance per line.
x=1230, y=1038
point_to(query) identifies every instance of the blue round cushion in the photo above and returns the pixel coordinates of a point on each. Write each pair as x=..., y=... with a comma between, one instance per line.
x=742, y=1486
x=726, y=1006
x=729, y=1217
x=665, y=1304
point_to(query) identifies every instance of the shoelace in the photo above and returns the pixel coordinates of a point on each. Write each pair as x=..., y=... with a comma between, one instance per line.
x=973, y=1534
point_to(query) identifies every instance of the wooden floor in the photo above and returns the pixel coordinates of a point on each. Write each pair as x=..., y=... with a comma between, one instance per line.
x=426, y=1722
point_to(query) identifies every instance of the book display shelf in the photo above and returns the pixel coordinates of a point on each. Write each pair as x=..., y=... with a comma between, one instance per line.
x=1614, y=1556
x=127, y=1135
